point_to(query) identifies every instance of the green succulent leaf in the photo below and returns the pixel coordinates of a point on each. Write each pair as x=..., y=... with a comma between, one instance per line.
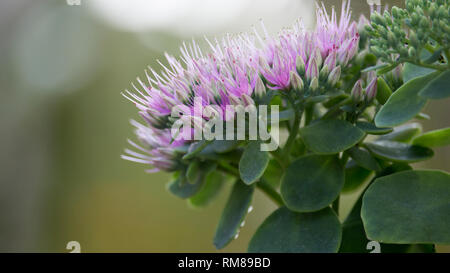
x=330, y=136
x=434, y=138
x=292, y=232
x=273, y=173
x=312, y=182
x=354, y=239
x=364, y=159
x=233, y=214
x=408, y=207
x=422, y=116
x=398, y=151
x=212, y=186
x=193, y=172
x=403, y=133
x=404, y=104
x=412, y=71
x=438, y=88
x=372, y=129
x=383, y=91
x=374, y=67
x=253, y=163
x=181, y=188
x=195, y=148
x=355, y=176
x=386, y=69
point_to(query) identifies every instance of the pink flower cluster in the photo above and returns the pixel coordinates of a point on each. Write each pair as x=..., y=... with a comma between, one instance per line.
x=233, y=72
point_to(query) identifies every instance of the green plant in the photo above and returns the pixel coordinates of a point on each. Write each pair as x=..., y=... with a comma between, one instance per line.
x=347, y=93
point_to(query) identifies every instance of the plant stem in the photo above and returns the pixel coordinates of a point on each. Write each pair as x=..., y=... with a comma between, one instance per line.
x=336, y=108
x=335, y=205
x=223, y=166
x=309, y=112
x=432, y=66
x=270, y=192
x=277, y=154
x=262, y=184
x=293, y=134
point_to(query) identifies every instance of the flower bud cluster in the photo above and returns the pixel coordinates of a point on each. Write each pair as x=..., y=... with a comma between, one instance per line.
x=403, y=33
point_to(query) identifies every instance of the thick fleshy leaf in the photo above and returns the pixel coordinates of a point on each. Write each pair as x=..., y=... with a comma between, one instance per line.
x=355, y=176
x=273, y=173
x=438, y=88
x=403, y=133
x=222, y=146
x=211, y=187
x=193, y=172
x=286, y=231
x=434, y=138
x=234, y=213
x=386, y=69
x=422, y=116
x=374, y=67
x=196, y=148
x=411, y=71
x=383, y=91
x=371, y=129
x=398, y=151
x=354, y=239
x=330, y=136
x=364, y=159
x=408, y=207
x=253, y=163
x=182, y=188
x=312, y=182
x=404, y=104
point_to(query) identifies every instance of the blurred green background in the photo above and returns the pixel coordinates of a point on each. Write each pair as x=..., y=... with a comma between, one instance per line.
x=64, y=123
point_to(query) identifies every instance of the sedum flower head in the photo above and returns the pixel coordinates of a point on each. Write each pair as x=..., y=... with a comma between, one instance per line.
x=236, y=70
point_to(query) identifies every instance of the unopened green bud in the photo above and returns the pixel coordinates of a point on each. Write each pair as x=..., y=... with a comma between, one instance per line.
x=357, y=92
x=409, y=6
x=314, y=84
x=442, y=12
x=419, y=10
x=392, y=40
x=413, y=38
x=377, y=19
x=247, y=100
x=432, y=10
x=260, y=88
x=376, y=50
x=387, y=18
x=371, y=90
x=415, y=18
x=334, y=76
x=397, y=73
x=424, y=23
x=395, y=12
x=318, y=57
x=295, y=81
x=397, y=31
x=403, y=51
x=412, y=52
x=323, y=73
x=300, y=65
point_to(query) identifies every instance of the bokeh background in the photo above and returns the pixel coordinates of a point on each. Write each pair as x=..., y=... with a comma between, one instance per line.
x=64, y=124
